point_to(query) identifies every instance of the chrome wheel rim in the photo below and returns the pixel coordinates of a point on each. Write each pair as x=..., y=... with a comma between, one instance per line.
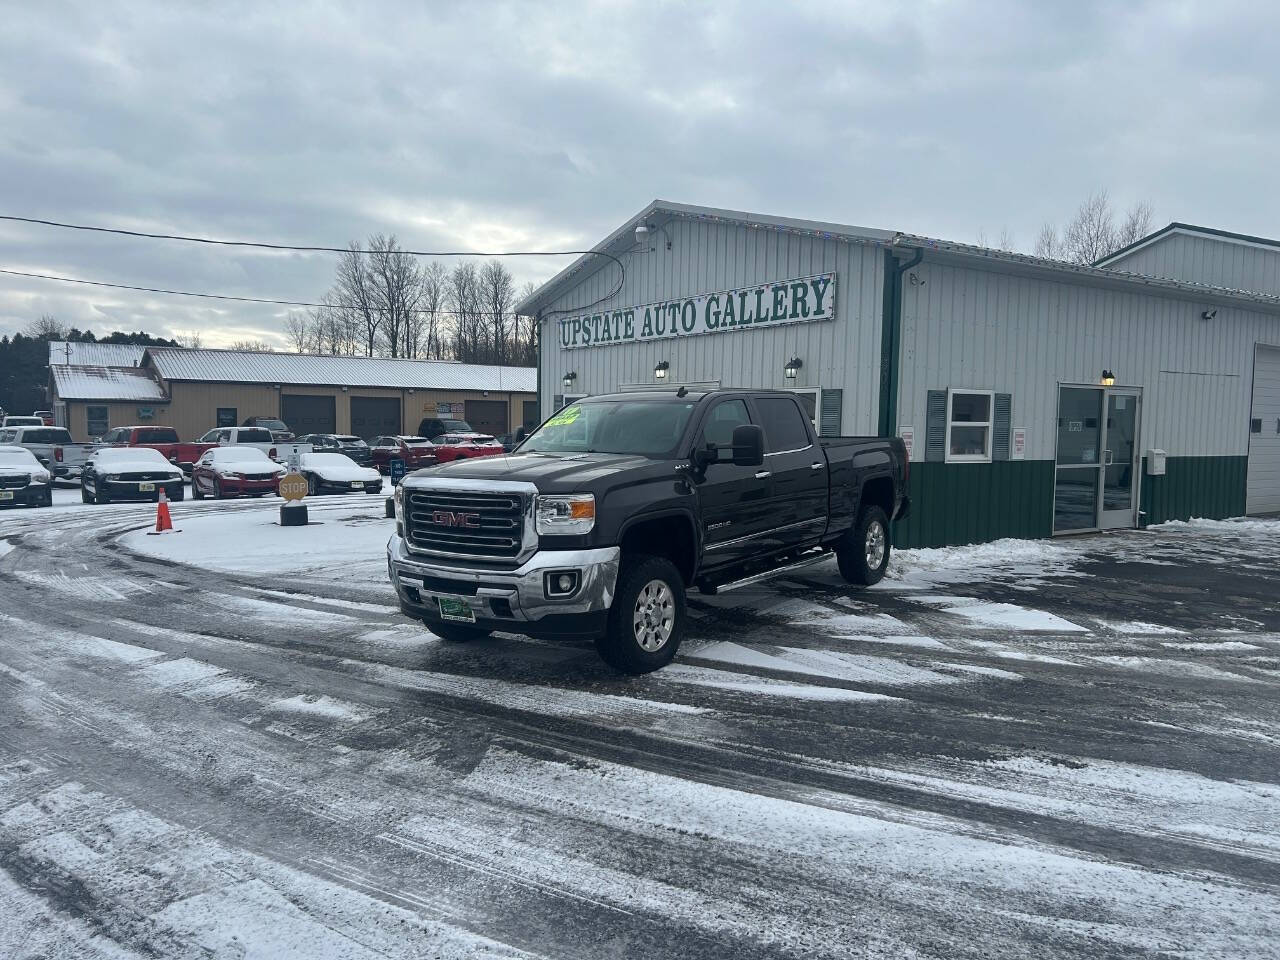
x=875, y=544
x=654, y=617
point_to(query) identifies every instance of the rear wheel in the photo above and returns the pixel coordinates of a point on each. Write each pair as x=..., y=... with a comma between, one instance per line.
x=646, y=621
x=456, y=632
x=863, y=552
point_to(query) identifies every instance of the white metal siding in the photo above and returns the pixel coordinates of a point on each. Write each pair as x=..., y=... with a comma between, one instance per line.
x=707, y=257
x=1211, y=260
x=1264, y=447
x=973, y=328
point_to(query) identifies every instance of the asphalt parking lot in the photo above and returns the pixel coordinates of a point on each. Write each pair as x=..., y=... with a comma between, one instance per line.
x=228, y=743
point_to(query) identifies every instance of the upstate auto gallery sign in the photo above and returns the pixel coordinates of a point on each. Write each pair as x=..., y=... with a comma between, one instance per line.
x=802, y=300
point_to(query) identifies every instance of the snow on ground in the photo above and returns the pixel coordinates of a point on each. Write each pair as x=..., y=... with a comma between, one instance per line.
x=1026, y=560
x=345, y=539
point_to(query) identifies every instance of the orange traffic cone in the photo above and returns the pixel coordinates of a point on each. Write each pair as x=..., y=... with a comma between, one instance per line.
x=163, y=520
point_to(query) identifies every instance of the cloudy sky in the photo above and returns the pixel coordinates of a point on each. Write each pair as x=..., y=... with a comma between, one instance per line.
x=517, y=126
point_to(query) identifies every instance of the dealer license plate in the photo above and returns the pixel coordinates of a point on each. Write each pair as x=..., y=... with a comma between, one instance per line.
x=455, y=608
x=357, y=485
x=146, y=487
x=6, y=494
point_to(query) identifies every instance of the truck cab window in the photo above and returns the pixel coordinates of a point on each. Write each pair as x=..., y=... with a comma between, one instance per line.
x=783, y=423
x=724, y=416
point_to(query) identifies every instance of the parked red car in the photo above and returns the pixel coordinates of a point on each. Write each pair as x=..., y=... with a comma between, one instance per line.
x=163, y=439
x=235, y=471
x=416, y=452
x=464, y=446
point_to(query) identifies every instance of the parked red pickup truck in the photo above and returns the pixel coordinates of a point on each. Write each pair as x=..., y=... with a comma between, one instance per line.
x=163, y=439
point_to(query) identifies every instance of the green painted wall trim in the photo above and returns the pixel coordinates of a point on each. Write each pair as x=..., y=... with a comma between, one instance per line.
x=891, y=338
x=1209, y=487
x=961, y=503
x=958, y=503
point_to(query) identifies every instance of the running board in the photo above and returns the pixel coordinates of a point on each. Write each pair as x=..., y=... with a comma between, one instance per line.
x=710, y=588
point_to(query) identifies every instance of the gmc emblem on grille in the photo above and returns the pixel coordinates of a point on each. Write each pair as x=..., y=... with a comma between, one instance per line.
x=447, y=518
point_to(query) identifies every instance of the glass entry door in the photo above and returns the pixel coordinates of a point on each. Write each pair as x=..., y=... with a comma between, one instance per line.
x=1120, y=462
x=1097, y=466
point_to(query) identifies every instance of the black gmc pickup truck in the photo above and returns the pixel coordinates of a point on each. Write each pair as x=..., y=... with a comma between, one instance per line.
x=599, y=521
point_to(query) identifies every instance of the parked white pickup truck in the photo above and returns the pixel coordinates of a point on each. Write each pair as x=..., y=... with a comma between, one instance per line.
x=52, y=446
x=259, y=437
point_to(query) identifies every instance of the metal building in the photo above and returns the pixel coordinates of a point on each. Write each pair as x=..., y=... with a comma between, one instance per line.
x=194, y=391
x=1036, y=397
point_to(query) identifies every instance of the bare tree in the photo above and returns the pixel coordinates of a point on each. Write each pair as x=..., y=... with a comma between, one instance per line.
x=431, y=306
x=190, y=339
x=1093, y=233
x=497, y=297
x=397, y=285
x=46, y=328
x=258, y=346
x=1048, y=243
x=524, y=332
x=297, y=327
x=355, y=290
x=468, y=324
x=1137, y=224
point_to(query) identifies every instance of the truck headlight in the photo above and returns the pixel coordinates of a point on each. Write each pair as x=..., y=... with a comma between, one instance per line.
x=398, y=496
x=573, y=513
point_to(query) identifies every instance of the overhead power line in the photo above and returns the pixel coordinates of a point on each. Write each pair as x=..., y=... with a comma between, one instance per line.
x=301, y=248
x=219, y=296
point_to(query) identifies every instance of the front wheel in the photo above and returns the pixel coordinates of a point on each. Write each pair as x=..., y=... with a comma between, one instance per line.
x=313, y=485
x=196, y=492
x=863, y=552
x=646, y=621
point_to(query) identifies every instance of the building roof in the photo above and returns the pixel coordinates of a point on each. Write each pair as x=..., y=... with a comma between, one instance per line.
x=105, y=383
x=1187, y=228
x=659, y=211
x=245, y=366
x=623, y=238
x=77, y=353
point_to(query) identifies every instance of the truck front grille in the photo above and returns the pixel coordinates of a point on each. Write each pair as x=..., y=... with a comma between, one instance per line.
x=145, y=476
x=485, y=526
x=13, y=482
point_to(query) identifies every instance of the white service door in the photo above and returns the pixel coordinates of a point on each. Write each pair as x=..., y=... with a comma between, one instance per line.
x=1264, y=445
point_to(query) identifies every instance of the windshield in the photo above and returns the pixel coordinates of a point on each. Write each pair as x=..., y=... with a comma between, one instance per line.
x=277, y=425
x=650, y=428
x=253, y=435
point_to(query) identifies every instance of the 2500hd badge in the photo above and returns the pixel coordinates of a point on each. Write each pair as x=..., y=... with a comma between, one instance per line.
x=597, y=524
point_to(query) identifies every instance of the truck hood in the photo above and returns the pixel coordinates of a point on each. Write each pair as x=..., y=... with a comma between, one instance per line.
x=550, y=473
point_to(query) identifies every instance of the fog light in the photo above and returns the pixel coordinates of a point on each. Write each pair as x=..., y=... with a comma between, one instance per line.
x=560, y=584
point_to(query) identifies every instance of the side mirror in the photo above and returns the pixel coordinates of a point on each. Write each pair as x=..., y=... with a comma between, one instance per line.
x=748, y=445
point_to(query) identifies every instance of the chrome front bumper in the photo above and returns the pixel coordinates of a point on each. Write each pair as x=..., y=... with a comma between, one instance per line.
x=419, y=581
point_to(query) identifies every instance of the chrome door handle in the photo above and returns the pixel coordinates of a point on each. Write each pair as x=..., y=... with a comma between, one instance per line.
x=816, y=466
x=761, y=474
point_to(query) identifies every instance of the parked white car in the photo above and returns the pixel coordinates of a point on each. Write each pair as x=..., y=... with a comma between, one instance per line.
x=23, y=479
x=129, y=473
x=259, y=437
x=337, y=473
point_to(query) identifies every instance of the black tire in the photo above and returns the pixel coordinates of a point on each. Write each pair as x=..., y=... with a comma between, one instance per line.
x=457, y=632
x=196, y=492
x=621, y=646
x=84, y=494
x=863, y=552
x=313, y=485
x=218, y=493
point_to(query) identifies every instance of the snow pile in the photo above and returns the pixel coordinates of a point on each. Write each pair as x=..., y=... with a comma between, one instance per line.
x=1238, y=527
x=1027, y=560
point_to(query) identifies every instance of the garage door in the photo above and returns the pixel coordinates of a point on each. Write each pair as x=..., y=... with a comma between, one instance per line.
x=375, y=417
x=306, y=414
x=1264, y=433
x=487, y=416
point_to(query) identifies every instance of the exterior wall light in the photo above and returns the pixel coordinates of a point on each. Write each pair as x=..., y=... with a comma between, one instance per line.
x=1108, y=378
x=568, y=379
x=792, y=368
x=660, y=371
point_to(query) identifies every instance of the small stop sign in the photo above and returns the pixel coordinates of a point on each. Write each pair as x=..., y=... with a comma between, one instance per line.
x=293, y=486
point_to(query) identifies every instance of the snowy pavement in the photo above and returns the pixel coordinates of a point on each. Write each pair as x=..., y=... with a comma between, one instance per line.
x=228, y=743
